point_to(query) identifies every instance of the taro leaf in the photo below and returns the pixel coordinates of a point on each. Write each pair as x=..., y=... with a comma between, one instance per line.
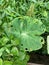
x=31, y=42
x=28, y=29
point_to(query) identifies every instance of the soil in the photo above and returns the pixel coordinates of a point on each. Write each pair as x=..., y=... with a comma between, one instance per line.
x=34, y=64
x=38, y=59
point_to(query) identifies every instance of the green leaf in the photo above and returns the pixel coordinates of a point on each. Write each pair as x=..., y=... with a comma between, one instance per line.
x=27, y=30
x=1, y=61
x=47, y=5
x=46, y=23
x=0, y=22
x=1, y=1
x=22, y=60
x=1, y=51
x=7, y=50
x=15, y=51
x=31, y=42
x=7, y=62
x=3, y=41
x=22, y=55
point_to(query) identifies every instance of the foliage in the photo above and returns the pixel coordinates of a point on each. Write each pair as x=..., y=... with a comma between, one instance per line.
x=22, y=24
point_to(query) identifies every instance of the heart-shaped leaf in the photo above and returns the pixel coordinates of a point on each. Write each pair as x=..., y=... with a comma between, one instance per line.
x=27, y=29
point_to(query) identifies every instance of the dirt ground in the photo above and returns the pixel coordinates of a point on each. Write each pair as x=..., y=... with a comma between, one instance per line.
x=34, y=64
x=39, y=59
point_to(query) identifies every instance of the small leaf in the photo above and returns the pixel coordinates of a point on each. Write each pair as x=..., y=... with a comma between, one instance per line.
x=1, y=61
x=1, y=51
x=14, y=51
x=47, y=5
x=7, y=63
x=7, y=50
